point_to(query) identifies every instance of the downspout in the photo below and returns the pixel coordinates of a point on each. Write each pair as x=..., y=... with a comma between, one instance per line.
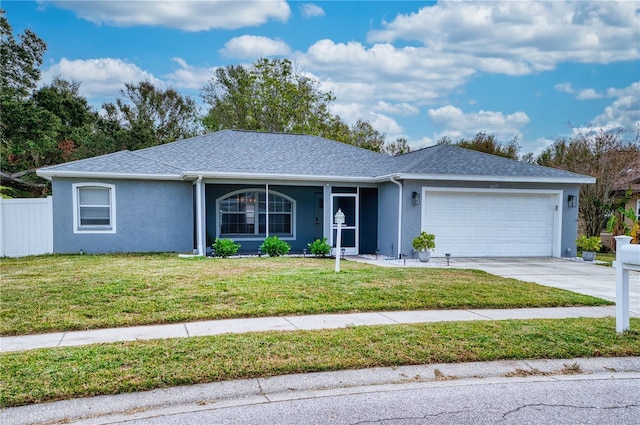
x=199, y=228
x=393, y=180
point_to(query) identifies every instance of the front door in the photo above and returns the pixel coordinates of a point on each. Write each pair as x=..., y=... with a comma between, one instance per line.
x=319, y=211
x=348, y=203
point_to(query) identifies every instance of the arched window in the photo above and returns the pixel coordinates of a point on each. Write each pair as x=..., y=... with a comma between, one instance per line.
x=244, y=213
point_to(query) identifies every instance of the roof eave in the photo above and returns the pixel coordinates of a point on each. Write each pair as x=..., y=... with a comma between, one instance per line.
x=49, y=174
x=463, y=177
x=282, y=177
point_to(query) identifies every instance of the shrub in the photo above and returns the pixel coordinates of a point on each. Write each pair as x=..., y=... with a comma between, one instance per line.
x=274, y=247
x=424, y=241
x=320, y=247
x=224, y=247
x=589, y=243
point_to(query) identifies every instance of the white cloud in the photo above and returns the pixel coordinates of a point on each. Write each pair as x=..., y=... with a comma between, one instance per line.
x=457, y=124
x=188, y=76
x=396, y=108
x=253, y=47
x=587, y=94
x=564, y=88
x=103, y=77
x=310, y=10
x=519, y=37
x=186, y=15
x=624, y=111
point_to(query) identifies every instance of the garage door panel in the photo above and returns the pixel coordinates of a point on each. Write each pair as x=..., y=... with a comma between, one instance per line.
x=490, y=224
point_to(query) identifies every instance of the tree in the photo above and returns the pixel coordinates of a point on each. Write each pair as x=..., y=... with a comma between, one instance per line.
x=272, y=95
x=601, y=154
x=363, y=135
x=20, y=61
x=26, y=131
x=399, y=147
x=487, y=144
x=148, y=116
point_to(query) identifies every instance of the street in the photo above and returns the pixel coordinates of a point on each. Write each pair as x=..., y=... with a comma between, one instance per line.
x=574, y=400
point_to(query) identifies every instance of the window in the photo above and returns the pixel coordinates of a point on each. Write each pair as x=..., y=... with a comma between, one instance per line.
x=245, y=214
x=93, y=208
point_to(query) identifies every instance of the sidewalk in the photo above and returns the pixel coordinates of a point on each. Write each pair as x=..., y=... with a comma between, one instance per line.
x=290, y=323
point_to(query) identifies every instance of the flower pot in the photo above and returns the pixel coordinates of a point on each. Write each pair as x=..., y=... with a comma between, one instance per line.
x=424, y=256
x=588, y=255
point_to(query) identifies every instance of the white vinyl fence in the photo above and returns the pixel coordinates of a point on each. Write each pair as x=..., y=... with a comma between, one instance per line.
x=26, y=227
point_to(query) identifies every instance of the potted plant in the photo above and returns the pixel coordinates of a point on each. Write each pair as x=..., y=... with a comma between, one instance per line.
x=589, y=246
x=423, y=243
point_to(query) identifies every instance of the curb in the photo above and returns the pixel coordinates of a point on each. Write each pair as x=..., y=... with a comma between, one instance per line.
x=219, y=395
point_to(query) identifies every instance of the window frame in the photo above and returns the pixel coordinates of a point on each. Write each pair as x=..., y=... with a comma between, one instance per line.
x=77, y=227
x=256, y=236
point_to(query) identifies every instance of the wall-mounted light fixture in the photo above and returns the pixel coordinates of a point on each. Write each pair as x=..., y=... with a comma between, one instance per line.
x=415, y=198
x=571, y=201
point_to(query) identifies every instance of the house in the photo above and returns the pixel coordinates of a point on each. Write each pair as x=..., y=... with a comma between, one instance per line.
x=221, y=185
x=630, y=180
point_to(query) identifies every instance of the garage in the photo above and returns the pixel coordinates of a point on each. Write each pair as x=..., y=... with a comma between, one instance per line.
x=492, y=223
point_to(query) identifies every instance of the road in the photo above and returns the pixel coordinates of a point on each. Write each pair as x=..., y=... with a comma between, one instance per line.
x=602, y=390
x=578, y=400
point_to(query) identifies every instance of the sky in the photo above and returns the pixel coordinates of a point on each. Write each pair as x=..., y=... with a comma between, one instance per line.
x=535, y=70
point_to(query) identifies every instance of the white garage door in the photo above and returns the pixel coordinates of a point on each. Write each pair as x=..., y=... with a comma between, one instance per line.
x=492, y=224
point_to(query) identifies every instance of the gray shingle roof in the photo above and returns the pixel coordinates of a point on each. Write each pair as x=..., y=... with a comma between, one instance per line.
x=277, y=154
x=454, y=160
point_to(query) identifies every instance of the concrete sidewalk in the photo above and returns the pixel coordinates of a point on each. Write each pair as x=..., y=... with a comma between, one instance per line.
x=290, y=323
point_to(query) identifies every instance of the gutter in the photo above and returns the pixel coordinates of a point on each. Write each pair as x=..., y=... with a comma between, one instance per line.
x=392, y=179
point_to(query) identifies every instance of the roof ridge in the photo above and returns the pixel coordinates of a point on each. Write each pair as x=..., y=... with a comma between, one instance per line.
x=135, y=153
x=416, y=162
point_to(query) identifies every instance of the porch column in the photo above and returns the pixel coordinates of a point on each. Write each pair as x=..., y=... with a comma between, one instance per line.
x=200, y=231
x=327, y=220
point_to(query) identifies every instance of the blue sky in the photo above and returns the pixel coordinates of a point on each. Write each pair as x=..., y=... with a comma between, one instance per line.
x=538, y=70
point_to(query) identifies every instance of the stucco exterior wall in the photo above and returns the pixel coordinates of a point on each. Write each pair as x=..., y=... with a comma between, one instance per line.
x=151, y=216
x=388, y=219
x=412, y=213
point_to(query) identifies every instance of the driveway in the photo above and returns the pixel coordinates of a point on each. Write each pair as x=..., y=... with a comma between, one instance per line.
x=571, y=274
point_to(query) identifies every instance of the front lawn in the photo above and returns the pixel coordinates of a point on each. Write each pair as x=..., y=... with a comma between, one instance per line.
x=72, y=292
x=60, y=373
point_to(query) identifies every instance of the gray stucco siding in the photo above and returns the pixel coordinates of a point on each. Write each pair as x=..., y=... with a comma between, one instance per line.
x=151, y=216
x=388, y=219
x=569, y=222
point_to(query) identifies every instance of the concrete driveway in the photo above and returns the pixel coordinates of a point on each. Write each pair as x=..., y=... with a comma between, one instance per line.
x=571, y=274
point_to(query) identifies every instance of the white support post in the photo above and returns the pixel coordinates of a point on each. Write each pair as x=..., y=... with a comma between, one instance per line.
x=339, y=220
x=622, y=283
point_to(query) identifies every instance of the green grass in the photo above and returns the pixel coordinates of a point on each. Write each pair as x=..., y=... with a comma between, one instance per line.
x=72, y=292
x=61, y=373
x=607, y=258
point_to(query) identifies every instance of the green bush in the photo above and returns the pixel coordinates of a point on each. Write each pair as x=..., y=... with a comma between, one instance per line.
x=274, y=247
x=589, y=243
x=224, y=247
x=320, y=247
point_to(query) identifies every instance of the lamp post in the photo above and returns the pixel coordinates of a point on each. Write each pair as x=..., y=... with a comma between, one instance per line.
x=339, y=221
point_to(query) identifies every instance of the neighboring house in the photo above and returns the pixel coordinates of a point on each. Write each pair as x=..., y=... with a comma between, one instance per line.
x=630, y=180
x=171, y=197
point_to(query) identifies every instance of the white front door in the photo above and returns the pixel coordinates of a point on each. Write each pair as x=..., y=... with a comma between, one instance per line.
x=348, y=203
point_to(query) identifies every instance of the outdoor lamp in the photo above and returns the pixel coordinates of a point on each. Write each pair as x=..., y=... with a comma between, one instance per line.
x=571, y=201
x=415, y=198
